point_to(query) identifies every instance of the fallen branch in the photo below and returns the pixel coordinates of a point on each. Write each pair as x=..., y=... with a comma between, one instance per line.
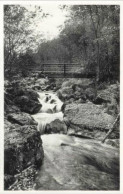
x=113, y=126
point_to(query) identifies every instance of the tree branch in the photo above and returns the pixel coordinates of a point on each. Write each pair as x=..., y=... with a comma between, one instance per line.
x=113, y=126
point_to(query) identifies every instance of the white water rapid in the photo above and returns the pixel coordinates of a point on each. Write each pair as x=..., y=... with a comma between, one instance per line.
x=50, y=110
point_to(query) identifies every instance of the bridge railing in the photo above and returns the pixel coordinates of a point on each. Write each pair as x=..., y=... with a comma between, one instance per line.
x=63, y=68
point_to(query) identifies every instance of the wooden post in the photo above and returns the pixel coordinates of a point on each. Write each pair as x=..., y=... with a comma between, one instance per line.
x=64, y=69
x=43, y=68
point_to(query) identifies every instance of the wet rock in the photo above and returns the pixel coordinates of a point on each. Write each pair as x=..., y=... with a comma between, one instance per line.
x=25, y=100
x=74, y=83
x=100, y=100
x=71, y=131
x=22, y=147
x=46, y=118
x=27, y=104
x=42, y=82
x=15, y=91
x=49, y=87
x=77, y=95
x=90, y=94
x=71, y=100
x=56, y=126
x=8, y=108
x=80, y=100
x=88, y=118
x=65, y=93
x=110, y=93
x=76, y=89
x=36, y=87
x=86, y=133
x=41, y=75
x=111, y=96
x=31, y=94
x=56, y=88
x=21, y=119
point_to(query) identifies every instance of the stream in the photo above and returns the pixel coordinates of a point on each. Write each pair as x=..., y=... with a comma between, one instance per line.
x=72, y=163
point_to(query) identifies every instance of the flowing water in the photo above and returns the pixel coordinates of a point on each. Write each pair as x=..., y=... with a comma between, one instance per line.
x=72, y=163
x=50, y=110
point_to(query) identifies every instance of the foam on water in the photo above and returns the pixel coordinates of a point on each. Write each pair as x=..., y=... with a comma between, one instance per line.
x=46, y=118
x=50, y=101
x=50, y=110
x=72, y=163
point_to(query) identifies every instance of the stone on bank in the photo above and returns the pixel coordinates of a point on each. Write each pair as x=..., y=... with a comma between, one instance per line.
x=22, y=146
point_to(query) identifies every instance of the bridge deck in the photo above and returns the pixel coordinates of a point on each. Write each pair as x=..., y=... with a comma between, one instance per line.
x=62, y=70
x=65, y=70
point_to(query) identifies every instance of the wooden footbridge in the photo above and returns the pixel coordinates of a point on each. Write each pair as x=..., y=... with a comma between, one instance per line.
x=62, y=70
x=65, y=70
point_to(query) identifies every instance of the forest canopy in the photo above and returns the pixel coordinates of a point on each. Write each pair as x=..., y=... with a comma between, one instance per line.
x=89, y=36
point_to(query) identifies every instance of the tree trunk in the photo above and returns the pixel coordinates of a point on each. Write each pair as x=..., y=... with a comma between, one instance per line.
x=98, y=63
x=96, y=29
x=113, y=126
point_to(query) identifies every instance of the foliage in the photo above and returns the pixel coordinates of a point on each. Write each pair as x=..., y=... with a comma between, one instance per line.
x=92, y=35
x=19, y=33
x=52, y=51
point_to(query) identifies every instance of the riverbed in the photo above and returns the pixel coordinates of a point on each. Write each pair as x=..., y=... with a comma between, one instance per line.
x=72, y=163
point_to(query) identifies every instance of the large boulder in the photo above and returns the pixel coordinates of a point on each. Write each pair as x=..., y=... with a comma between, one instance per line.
x=75, y=89
x=14, y=91
x=111, y=93
x=21, y=118
x=83, y=83
x=88, y=119
x=65, y=93
x=22, y=147
x=18, y=88
x=27, y=104
x=41, y=84
x=56, y=126
x=42, y=81
x=86, y=132
x=111, y=96
x=32, y=94
x=36, y=87
x=90, y=93
x=25, y=100
x=10, y=108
